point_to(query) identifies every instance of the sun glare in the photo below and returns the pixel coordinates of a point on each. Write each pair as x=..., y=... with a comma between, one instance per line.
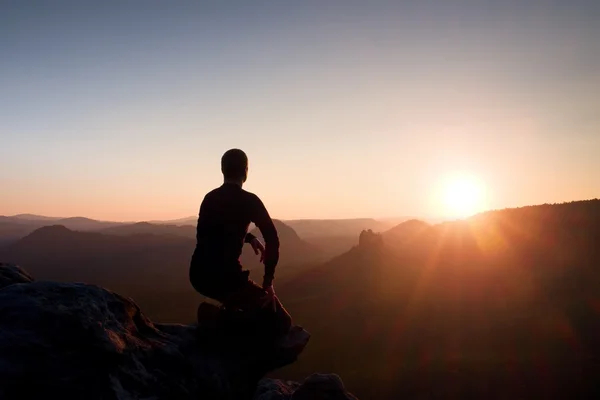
x=463, y=196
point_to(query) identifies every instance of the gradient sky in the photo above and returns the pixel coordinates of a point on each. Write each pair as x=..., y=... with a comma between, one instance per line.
x=121, y=110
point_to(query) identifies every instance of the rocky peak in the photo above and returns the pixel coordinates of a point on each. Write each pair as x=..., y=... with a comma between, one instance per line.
x=370, y=240
x=74, y=341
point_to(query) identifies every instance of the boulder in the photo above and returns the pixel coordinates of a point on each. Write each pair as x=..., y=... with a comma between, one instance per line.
x=10, y=274
x=315, y=387
x=75, y=341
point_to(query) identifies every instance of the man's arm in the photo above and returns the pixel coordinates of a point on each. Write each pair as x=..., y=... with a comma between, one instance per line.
x=262, y=219
x=201, y=222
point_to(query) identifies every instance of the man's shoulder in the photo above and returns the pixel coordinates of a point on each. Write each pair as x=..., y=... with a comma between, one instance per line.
x=214, y=195
x=246, y=195
x=250, y=196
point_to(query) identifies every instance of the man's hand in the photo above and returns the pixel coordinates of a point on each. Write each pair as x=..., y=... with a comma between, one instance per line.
x=258, y=247
x=269, y=299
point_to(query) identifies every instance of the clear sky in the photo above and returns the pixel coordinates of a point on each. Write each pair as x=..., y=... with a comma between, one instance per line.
x=121, y=109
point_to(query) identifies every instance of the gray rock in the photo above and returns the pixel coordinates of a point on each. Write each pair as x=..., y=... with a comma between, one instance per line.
x=75, y=341
x=315, y=387
x=322, y=387
x=10, y=274
x=275, y=389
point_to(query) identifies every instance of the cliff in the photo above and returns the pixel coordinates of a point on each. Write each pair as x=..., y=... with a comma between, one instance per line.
x=75, y=341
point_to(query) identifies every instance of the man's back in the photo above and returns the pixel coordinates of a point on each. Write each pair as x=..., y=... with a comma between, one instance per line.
x=225, y=214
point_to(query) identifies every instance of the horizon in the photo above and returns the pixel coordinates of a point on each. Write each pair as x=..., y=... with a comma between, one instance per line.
x=430, y=220
x=50, y=217
x=440, y=109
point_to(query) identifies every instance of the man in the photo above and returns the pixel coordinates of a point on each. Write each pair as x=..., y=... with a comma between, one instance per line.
x=215, y=271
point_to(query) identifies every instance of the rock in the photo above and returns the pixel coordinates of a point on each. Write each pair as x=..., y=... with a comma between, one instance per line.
x=74, y=341
x=322, y=387
x=370, y=240
x=275, y=389
x=10, y=274
x=315, y=387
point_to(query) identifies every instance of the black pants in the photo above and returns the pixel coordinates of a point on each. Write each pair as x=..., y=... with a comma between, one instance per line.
x=237, y=292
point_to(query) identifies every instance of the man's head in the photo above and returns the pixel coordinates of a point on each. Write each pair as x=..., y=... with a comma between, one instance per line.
x=234, y=165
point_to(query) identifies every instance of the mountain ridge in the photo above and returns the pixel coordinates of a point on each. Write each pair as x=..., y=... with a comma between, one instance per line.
x=478, y=296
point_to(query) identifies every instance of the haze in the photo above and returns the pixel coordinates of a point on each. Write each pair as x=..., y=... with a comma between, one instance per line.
x=121, y=112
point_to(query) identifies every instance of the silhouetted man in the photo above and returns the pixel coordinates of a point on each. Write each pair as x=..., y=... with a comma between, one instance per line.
x=215, y=270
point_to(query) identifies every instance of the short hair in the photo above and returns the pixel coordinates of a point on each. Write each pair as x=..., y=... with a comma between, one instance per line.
x=234, y=164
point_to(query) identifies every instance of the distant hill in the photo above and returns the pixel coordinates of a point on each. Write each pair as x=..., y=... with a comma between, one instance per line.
x=548, y=237
x=34, y=217
x=74, y=223
x=307, y=228
x=86, y=224
x=192, y=220
x=151, y=268
x=405, y=231
x=334, y=237
x=151, y=228
x=22, y=221
x=60, y=247
x=328, y=237
x=146, y=261
x=15, y=227
x=11, y=232
x=294, y=252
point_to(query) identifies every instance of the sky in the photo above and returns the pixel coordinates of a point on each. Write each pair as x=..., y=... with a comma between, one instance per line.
x=121, y=110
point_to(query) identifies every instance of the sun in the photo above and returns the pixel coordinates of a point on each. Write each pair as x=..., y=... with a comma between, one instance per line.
x=462, y=196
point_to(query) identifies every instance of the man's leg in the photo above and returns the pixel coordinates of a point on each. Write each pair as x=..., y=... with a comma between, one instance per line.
x=248, y=296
